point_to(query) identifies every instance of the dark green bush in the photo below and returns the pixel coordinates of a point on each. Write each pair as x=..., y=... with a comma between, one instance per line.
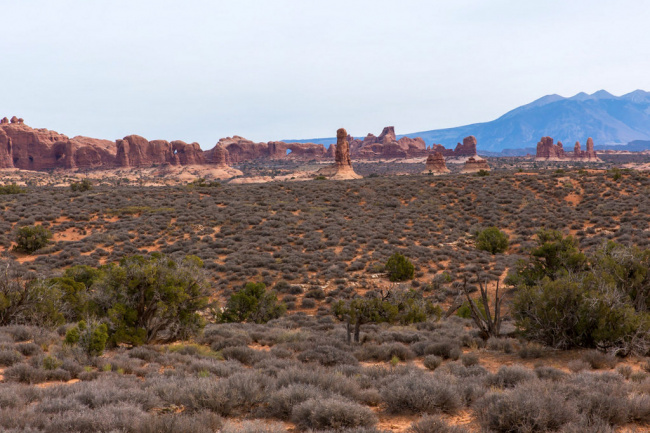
x=32, y=238
x=82, y=186
x=90, y=338
x=399, y=268
x=152, y=299
x=253, y=304
x=11, y=189
x=492, y=240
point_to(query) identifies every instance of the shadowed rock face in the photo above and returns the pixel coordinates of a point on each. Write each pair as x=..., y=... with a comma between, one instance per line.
x=436, y=164
x=6, y=158
x=547, y=151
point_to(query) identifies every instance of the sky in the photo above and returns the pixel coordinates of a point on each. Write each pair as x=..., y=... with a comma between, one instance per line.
x=296, y=69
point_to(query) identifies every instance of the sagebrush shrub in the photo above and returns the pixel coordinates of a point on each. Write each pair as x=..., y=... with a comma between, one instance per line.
x=332, y=413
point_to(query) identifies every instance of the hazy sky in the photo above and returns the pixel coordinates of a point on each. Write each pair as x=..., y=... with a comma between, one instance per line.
x=273, y=69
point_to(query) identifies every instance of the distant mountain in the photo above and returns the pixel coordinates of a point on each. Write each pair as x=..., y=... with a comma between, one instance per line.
x=608, y=119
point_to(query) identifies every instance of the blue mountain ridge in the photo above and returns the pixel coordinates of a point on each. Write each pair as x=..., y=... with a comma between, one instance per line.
x=608, y=119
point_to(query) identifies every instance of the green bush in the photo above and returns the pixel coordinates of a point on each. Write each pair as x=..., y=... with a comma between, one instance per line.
x=565, y=299
x=492, y=240
x=11, y=189
x=399, y=268
x=149, y=300
x=32, y=238
x=253, y=304
x=90, y=338
x=83, y=185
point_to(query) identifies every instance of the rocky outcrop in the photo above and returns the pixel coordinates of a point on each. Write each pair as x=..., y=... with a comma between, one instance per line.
x=40, y=149
x=462, y=152
x=218, y=155
x=241, y=149
x=435, y=164
x=136, y=151
x=6, y=153
x=473, y=165
x=547, y=151
x=188, y=154
x=342, y=167
x=387, y=146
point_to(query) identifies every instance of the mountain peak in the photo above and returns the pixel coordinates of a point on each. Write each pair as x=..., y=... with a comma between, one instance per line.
x=602, y=94
x=637, y=96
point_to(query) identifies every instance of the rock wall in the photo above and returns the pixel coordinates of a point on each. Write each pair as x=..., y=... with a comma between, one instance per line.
x=40, y=149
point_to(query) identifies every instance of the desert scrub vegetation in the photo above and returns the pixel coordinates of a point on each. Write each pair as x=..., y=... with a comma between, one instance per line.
x=191, y=385
x=369, y=348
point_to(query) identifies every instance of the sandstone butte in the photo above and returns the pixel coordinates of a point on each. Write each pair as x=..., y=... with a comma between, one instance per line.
x=342, y=167
x=474, y=165
x=547, y=151
x=435, y=164
x=29, y=148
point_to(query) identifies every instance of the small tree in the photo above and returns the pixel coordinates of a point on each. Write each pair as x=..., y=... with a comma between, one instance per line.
x=152, y=300
x=253, y=303
x=27, y=301
x=32, y=238
x=399, y=268
x=393, y=306
x=492, y=240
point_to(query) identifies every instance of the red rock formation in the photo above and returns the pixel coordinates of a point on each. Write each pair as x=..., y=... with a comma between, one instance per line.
x=342, y=167
x=188, y=154
x=40, y=149
x=547, y=151
x=6, y=154
x=218, y=155
x=473, y=165
x=136, y=151
x=461, y=152
x=240, y=149
x=4, y=120
x=387, y=146
x=436, y=164
x=304, y=151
